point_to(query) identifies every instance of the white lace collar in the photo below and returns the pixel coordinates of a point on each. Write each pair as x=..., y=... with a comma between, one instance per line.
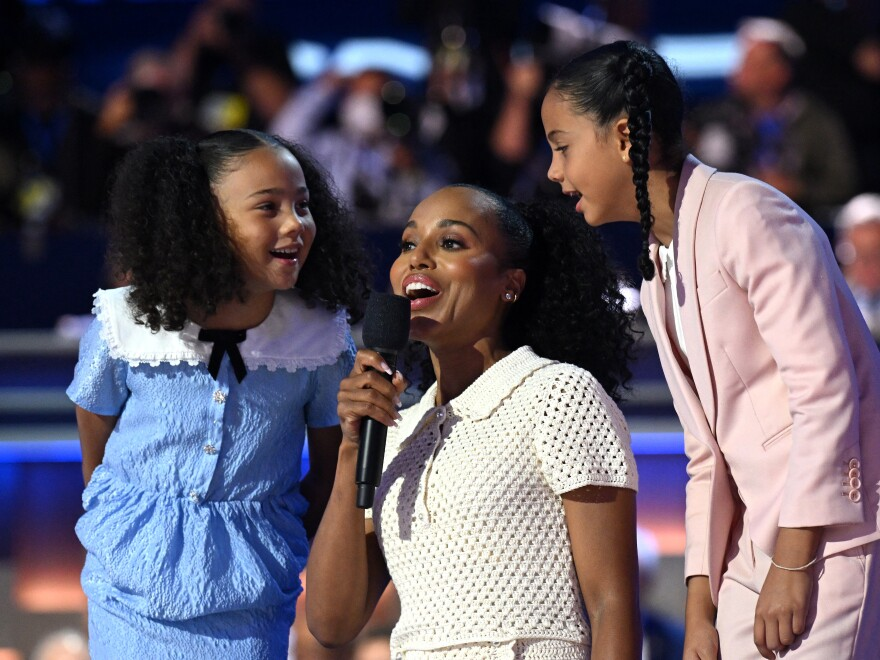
x=293, y=336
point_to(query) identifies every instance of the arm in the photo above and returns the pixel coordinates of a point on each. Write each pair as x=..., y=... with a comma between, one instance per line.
x=318, y=483
x=785, y=267
x=600, y=518
x=346, y=570
x=780, y=615
x=94, y=431
x=700, y=637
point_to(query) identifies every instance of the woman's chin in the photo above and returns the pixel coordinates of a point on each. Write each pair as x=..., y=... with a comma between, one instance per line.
x=423, y=329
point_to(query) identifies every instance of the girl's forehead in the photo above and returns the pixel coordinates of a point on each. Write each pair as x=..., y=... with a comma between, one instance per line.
x=264, y=158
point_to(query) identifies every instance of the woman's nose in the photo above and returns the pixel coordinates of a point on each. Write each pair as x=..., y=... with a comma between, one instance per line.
x=420, y=257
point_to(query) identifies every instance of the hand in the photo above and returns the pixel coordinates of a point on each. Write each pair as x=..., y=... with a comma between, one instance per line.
x=781, y=613
x=367, y=393
x=700, y=641
x=700, y=634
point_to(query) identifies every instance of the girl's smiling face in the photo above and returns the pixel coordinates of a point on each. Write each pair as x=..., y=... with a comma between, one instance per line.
x=266, y=203
x=451, y=266
x=589, y=162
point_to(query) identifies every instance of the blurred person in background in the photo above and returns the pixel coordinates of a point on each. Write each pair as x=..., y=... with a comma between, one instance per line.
x=362, y=127
x=271, y=87
x=841, y=66
x=769, y=128
x=143, y=104
x=53, y=166
x=206, y=62
x=858, y=251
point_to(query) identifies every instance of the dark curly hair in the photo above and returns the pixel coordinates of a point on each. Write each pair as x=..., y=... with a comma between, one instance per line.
x=571, y=308
x=170, y=240
x=628, y=78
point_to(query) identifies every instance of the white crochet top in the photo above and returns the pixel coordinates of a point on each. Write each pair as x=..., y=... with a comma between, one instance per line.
x=469, y=512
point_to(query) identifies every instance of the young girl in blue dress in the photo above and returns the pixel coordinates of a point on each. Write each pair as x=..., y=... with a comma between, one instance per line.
x=194, y=389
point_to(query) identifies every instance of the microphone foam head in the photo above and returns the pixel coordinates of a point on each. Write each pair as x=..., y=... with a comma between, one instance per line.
x=386, y=321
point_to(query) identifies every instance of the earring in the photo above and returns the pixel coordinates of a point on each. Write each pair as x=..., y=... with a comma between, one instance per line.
x=510, y=296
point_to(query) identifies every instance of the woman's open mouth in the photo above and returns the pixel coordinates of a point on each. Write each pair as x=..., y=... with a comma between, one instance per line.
x=421, y=290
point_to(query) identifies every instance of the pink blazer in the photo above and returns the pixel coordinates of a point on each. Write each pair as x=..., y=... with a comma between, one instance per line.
x=781, y=407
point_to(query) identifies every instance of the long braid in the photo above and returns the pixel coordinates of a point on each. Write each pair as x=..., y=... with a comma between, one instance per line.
x=636, y=72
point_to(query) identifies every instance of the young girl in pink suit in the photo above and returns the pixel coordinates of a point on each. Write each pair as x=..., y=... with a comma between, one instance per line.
x=773, y=372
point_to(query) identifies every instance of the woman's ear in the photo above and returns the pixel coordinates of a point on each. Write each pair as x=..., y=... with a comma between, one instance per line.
x=620, y=134
x=516, y=281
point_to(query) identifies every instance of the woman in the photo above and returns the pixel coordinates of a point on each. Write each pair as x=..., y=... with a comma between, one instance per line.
x=772, y=370
x=506, y=512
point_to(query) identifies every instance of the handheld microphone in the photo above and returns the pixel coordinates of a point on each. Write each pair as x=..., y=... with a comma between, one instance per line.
x=386, y=331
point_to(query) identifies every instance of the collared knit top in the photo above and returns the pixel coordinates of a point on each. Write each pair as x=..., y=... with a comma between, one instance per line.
x=469, y=513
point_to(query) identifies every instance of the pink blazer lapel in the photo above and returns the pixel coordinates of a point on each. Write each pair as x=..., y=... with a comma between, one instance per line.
x=654, y=305
x=694, y=179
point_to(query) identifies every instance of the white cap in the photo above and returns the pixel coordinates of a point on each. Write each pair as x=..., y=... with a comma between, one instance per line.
x=773, y=31
x=860, y=210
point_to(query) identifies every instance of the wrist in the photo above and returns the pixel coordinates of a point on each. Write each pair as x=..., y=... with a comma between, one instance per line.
x=803, y=567
x=796, y=548
x=348, y=450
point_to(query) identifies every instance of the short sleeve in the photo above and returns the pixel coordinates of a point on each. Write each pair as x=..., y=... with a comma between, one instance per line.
x=99, y=380
x=581, y=438
x=321, y=408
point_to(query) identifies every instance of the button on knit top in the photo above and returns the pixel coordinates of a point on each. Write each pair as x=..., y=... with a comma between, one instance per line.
x=469, y=513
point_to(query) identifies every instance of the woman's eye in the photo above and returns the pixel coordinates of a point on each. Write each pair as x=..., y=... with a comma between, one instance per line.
x=406, y=246
x=560, y=148
x=450, y=243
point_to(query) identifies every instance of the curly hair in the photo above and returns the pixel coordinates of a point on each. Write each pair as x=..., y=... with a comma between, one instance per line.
x=571, y=308
x=628, y=78
x=171, y=241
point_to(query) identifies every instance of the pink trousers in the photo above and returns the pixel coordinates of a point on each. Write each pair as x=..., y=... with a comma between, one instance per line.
x=844, y=618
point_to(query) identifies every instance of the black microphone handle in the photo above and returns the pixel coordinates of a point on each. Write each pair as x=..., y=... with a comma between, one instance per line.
x=371, y=449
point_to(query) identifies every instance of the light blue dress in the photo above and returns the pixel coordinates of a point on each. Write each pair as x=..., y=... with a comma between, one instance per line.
x=192, y=523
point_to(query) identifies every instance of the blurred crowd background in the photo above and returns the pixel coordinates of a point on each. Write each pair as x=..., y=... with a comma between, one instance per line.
x=396, y=98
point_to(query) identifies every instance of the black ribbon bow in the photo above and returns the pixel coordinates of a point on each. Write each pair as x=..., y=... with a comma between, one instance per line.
x=225, y=341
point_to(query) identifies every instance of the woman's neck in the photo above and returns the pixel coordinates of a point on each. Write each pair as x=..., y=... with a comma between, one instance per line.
x=237, y=315
x=458, y=367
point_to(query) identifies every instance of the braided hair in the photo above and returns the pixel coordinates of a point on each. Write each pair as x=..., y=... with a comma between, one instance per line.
x=627, y=78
